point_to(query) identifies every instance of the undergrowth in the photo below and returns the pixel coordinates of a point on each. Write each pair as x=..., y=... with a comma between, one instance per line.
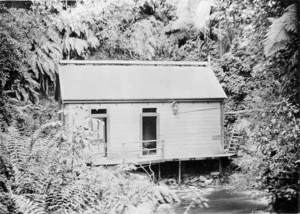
x=44, y=171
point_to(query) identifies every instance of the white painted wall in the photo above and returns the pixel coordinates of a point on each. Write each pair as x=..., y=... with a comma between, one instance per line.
x=195, y=131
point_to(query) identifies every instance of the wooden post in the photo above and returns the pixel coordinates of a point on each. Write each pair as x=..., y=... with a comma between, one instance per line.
x=159, y=175
x=179, y=172
x=220, y=165
x=222, y=145
x=163, y=149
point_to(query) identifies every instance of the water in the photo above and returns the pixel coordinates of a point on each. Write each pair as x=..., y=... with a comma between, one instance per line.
x=222, y=201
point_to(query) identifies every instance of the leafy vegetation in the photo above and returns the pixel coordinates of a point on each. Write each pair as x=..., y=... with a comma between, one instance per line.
x=254, y=50
x=43, y=169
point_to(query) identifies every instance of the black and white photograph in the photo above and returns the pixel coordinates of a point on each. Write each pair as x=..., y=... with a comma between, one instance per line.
x=149, y=106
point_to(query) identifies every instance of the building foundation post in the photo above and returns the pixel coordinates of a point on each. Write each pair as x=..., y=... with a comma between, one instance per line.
x=159, y=172
x=179, y=172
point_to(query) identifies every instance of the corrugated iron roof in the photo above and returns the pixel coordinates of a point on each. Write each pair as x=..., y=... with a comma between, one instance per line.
x=137, y=81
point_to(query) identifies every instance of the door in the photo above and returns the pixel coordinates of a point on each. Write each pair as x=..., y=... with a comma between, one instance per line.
x=99, y=129
x=102, y=134
x=149, y=137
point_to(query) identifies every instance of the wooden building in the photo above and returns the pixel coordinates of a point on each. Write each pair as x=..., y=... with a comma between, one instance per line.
x=146, y=111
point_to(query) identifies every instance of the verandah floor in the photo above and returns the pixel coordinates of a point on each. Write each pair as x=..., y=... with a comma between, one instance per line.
x=100, y=161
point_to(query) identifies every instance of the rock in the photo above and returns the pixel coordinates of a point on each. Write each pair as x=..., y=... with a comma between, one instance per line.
x=168, y=198
x=164, y=195
x=202, y=185
x=208, y=181
x=160, y=183
x=171, y=181
x=185, y=181
x=194, y=179
x=141, y=209
x=184, y=176
x=159, y=196
x=214, y=174
x=163, y=181
x=202, y=178
x=194, y=183
x=138, y=176
x=165, y=209
x=175, y=197
x=217, y=182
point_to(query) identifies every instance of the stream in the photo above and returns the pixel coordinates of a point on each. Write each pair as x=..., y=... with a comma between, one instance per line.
x=222, y=201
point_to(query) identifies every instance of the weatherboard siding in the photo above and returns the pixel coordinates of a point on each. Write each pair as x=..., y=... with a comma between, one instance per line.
x=195, y=131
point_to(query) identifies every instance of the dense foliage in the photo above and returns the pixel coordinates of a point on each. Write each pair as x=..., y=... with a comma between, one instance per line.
x=43, y=169
x=253, y=46
x=267, y=86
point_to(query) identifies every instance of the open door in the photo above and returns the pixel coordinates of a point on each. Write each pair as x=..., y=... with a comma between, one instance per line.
x=99, y=130
x=102, y=134
x=149, y=135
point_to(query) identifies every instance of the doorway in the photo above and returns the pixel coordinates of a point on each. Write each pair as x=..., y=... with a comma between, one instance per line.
x=149, y=135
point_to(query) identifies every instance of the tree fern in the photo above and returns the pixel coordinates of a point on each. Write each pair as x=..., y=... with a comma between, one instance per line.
x=192, y=14
x=144, y=38
x=77, y=27
x=30, y=49
x=281, y=30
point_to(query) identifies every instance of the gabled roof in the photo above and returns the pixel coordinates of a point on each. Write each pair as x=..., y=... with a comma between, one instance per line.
x=137, y=81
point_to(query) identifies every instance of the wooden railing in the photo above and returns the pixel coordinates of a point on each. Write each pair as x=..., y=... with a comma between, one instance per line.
x=142, y=150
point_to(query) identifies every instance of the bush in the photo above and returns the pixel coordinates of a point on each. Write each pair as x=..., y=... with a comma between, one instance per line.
x=44, y=172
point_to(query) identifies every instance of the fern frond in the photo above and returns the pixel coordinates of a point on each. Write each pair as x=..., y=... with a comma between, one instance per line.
x=202, y=15
x=72, y=199
x=290, y=18
x=27, y=206
x=182, y=24
x=17, y=148
x=183, y=9
x=3, y=208
x=33, y=64
x=279, y=32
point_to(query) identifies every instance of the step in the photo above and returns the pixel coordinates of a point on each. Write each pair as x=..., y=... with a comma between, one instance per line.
x=236, y=133
x=232, y=146
x=240, y=137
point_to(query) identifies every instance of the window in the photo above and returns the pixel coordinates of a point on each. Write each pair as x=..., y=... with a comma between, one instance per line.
x=149, y=123
x=98, y=111
x=149, y=110
x=99, y=126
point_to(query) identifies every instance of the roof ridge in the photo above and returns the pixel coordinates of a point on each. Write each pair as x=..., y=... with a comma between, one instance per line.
x=146, y=63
